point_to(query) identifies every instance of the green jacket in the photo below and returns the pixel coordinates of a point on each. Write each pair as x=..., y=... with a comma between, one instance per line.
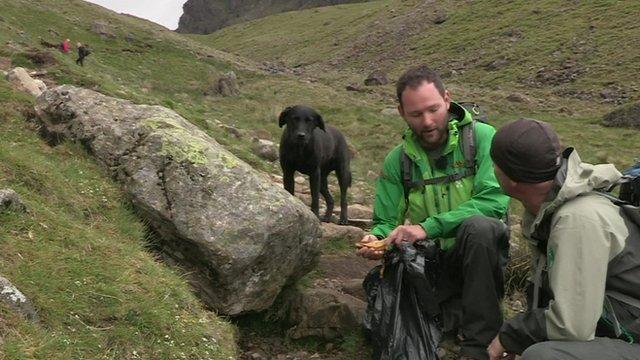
x=439, y=208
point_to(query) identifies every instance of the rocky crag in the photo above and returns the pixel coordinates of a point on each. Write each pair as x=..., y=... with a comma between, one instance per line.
x=207, y=16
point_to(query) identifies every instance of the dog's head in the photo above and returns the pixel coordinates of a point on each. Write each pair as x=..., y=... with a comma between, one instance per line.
x=300, y=121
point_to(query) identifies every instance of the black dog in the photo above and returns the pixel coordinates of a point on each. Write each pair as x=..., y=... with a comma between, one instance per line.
x=315, y=149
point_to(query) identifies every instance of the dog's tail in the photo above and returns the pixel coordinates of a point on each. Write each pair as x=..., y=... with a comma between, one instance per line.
x=346, y=171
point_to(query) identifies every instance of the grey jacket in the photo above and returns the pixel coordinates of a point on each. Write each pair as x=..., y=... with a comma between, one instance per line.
x=588, y=255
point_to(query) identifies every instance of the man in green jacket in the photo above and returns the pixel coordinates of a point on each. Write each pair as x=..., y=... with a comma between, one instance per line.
x=458, y=206
x=585, y=302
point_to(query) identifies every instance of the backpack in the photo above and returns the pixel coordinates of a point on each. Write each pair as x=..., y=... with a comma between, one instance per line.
x=629, y=196
x=468, y=151
x=630, y=185
x=629, y=201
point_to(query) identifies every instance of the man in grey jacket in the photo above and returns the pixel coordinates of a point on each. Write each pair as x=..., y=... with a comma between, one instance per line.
x=586, y=294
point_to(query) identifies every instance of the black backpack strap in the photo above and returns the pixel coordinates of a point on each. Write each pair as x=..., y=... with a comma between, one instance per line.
x=468, y=143
x=440, y=179
x=469, y=150
x=406, y=165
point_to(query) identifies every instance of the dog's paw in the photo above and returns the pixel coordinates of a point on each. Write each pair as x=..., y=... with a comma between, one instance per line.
x=326, y=218
x=343, y=222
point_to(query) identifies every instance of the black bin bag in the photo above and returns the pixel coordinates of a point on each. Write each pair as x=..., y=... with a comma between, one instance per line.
x=402, y=317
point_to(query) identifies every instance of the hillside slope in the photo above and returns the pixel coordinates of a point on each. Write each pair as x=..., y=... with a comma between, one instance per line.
x=148, y=64
x=552, y=49
x=81, y=256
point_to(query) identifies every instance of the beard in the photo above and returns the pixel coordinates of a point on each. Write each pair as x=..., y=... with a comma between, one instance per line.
x=431, y=139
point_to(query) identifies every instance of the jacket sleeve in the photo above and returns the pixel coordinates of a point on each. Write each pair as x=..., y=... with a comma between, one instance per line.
x=389, y=195
x=487, y=198
x=577, y=259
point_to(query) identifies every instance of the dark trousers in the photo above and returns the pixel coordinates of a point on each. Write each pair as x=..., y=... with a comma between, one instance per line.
x=471, y=284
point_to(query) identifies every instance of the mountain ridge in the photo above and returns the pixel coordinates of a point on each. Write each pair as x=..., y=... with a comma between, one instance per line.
x=207, y=16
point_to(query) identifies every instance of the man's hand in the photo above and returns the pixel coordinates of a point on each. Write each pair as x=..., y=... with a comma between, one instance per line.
x=369, y=253
x=408, y=233
x=498, y=352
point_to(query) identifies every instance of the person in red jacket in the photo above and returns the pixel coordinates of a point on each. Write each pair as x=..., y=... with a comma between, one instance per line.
x=65, y=46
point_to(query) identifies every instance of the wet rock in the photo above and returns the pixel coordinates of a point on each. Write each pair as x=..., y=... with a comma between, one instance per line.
x=518, y=98
x=10, y=201
x=390, y=112
x=627, y=116
x=237, y=133
x=496, y=64
x=103, y=29
x=266, y=149
x=354, y=288
x=240, y=237
x=353, y=87
x=359, y=211
x=376, y=78
x=331, y=232
x=130, y=38
x=225, y=85
x=440, y=18
x=325, y=313
x=21, y=81
x=15, y=299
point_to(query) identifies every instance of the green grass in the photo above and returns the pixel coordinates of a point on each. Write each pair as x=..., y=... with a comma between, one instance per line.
x=80, y=256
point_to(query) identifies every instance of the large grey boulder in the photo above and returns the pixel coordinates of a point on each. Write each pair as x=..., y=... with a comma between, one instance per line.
x=627, y=116
x=240, y=236
x=21, y=81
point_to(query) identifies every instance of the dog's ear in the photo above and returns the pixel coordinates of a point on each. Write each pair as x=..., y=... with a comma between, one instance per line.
x=282, y=120
x=319, y=122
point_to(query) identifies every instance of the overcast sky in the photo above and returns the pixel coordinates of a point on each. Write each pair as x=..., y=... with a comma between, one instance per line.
x=164, y=12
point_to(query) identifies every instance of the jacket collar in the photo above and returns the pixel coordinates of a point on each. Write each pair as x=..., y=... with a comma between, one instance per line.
x=574, y=178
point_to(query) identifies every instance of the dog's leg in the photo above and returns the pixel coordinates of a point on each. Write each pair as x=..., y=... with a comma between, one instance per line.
x=344, y=180
x=288, y=181
x=328, y=199
x=314, y=180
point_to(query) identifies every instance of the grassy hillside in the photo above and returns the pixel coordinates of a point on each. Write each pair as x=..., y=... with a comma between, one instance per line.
x=80, y=255
x=522, y=37
x=555, y=51
x=161, y=67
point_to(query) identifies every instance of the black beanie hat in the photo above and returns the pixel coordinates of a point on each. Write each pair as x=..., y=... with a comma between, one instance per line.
x=527, y=151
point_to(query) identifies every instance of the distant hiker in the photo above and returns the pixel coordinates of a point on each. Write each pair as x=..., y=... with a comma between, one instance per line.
x=83, y=52
x=586, y=295
x=65, y=46
x=448, y=197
